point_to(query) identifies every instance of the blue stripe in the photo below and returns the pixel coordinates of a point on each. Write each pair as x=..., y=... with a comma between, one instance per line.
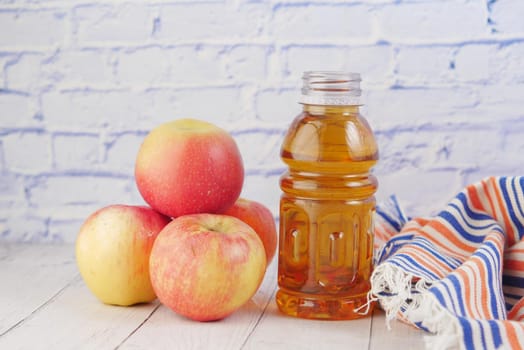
x=392, y=246
x=408, y=268
x=428, y=246
x=521, y=189
x=508, y=306
x=413, y=266
x=391, y=221
x=482, y=335
x=512, y=281
x=519, y=204
x=458, y=293
x=495, y=332
x=467, y=218
x=467, y=208
x=514, y=296
x=438, y=294
x=491, y=272
x=391, y=212
x=419, y=325
x=467, y=334
x=399, y=240
x=454, y=223
x=451, y=298
x=497, y=258
x=511, y=209
x=436, y=290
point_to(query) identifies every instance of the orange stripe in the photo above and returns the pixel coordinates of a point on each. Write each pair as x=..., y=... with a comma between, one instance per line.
x=484, y=278
x=488, y=196
x=431, y=261
x=382, y=236
x=512, y=335
x=496, y=239
x=504, y=211
x=421, y=221
x=512, y=315
x=474, y=198
x=514, y=264
x=437, y=225
x=481, y=295
x=466, y=291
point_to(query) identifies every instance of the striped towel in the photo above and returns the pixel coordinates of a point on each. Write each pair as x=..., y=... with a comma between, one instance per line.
x=459, y=275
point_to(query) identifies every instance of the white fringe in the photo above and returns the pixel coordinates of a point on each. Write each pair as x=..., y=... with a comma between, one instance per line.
x=399, y=297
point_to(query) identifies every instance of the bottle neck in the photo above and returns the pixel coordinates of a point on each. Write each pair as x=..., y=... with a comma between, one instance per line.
x=331, y=88
x=330, y=110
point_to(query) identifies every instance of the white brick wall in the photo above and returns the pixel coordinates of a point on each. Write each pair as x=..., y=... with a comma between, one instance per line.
x=83, y=81
x=28, y=29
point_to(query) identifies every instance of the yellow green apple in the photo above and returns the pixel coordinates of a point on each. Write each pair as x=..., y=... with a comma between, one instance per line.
x=206, y=266
x=189, y=166
x=112, y=253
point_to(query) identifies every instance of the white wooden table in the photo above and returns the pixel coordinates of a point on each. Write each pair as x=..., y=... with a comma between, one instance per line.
x=44, y=304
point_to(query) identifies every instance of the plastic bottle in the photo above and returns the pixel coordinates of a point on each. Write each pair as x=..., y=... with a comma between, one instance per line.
x=326, y=233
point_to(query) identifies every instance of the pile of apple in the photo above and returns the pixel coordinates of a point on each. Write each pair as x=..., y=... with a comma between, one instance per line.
x=199, y=248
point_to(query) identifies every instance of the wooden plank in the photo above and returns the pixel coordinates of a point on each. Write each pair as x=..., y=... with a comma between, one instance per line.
x=75, y=319
x=44, y=304
x=31, y=275
x=167, y=330
x=400, y=336
x=276, y=331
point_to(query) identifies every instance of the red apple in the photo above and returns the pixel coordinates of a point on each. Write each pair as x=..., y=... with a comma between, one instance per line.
x=260, y=219
x=189, y=166
x=206, y=266
x=112, y=253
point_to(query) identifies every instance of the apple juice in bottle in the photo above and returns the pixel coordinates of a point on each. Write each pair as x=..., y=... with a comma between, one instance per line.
x=327, y=204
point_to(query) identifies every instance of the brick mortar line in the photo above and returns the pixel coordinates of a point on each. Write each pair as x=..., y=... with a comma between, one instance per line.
x=285, y=45
x=271, y=4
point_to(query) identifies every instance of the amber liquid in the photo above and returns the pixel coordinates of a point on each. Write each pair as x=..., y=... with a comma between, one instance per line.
x=326, y=238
